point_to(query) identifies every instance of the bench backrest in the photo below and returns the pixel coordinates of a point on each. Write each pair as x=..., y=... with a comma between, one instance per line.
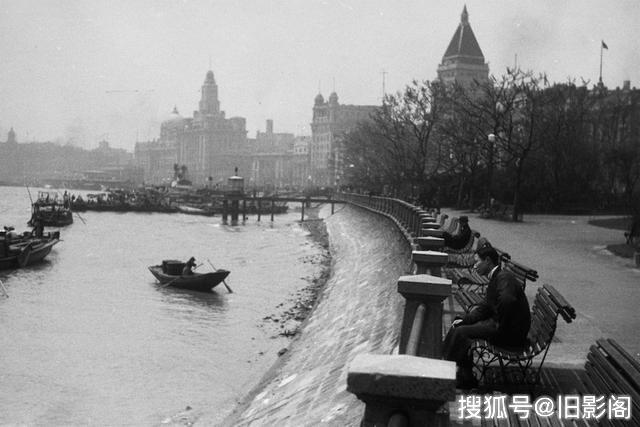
x=547, y=305
x=443, y=218
x=503, y=255
x=453, y=225
x=468, y=248
x=521, y=272
x=613, y=371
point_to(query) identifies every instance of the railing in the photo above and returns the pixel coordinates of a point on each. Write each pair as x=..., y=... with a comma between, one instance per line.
x=412, y=387
x=407, y=216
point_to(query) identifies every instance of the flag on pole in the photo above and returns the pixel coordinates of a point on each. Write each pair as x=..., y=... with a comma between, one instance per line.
x=604, y=45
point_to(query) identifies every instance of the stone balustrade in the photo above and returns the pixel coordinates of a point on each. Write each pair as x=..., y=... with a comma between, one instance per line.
x=424, y=295
x=402, y=390
x=409, y=389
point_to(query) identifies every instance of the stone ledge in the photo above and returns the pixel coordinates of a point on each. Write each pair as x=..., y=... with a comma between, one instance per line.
x=433, y=232
x=430, y=257
x=424, y=284
x=430, y=225
x=402, y=376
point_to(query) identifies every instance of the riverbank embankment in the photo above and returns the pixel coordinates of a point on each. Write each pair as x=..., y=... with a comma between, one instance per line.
x=358, y=310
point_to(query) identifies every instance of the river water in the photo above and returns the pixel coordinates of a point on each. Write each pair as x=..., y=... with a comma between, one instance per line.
x=88, y=337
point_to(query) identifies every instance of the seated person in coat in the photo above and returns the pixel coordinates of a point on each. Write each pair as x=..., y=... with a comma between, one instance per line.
x=503, y=318
x=460, y=239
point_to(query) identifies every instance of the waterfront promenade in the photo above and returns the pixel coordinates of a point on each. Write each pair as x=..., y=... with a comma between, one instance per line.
x=570, y=254
x=359, y=311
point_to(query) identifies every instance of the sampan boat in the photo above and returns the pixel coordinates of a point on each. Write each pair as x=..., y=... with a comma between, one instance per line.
x=169, y=274
x=19, y=251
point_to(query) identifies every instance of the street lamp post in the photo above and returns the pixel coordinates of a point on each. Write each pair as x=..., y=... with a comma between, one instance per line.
x=499, y=111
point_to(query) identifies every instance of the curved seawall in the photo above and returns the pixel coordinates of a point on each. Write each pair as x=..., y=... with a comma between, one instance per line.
x=358, y=311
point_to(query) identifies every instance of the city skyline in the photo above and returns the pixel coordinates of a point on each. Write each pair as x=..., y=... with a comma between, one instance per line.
x=92, y=71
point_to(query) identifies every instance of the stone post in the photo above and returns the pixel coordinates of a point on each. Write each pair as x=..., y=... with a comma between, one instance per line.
x=430, y=226
x=430, y=243
x=430, y=291
x=426, y=218
x=411, y=388
x=433, y=233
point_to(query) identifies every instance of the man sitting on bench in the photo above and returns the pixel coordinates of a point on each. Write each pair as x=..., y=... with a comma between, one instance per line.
x=460, y=239
x=502, y=318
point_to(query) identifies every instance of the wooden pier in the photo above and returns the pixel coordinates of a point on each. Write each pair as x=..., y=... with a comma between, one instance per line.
x=235, y=205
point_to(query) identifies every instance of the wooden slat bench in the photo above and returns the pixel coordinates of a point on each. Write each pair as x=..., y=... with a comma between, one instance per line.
x=547, y=306
x=522, y=272
x=453, y=225
x=442, y=219
x=468, y=248
x=466, y=260
x=468, y=280
x=611, y=370
x=461, y=261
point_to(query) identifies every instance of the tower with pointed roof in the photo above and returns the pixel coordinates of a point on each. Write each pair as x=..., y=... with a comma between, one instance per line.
x=11, y=163
x=209, y=103
x=463, y=61
x=11, y=137
x=208, y=144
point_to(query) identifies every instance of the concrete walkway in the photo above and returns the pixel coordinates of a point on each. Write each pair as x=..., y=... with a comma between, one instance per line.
x=359, y=311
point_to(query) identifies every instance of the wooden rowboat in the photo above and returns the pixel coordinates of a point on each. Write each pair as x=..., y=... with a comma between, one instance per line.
x=204, y=282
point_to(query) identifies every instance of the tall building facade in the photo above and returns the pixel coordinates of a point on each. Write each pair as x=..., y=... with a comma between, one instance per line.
x=463, y=61
x=272, y=160
x=330, y=122
x=300, y=163
x=208, y=144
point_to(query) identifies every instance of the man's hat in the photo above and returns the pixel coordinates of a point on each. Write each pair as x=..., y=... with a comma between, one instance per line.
x=483, y=242
x=464, y=218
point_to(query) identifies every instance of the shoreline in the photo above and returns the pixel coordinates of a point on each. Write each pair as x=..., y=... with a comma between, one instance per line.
x=291, y=319
x=297, y=315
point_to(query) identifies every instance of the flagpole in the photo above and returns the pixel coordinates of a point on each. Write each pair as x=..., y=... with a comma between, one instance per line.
x=601, y=48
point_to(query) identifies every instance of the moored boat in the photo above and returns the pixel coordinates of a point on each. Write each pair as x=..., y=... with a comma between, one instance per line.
x=22, y=250
x=170, y=274
x=193, y=210
x=51, y=210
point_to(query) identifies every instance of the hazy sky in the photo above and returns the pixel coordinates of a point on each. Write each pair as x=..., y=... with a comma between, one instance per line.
x=91, y=70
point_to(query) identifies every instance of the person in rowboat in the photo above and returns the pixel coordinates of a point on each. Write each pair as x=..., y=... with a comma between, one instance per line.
x=38, y=228
x=188, y=267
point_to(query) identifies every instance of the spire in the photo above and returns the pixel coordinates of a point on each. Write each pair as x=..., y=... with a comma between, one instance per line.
x=209, y=103
x=464, y=42
x=463, y=60
x=209, y=78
